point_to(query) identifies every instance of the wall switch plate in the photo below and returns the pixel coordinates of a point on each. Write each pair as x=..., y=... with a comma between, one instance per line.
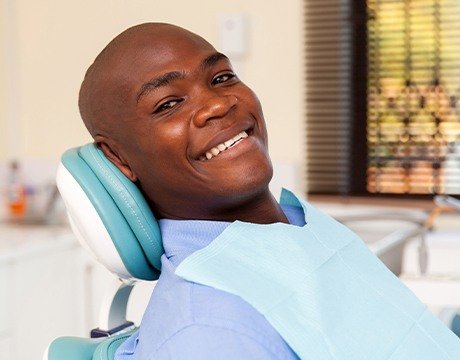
x=233, y=34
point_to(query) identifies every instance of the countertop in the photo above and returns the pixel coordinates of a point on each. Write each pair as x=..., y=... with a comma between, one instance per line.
x=17, y=240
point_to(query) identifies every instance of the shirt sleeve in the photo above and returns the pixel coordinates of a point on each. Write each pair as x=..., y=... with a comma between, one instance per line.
x=209, y=342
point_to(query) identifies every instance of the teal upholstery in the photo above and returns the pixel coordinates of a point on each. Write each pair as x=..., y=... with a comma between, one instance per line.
x=121, y=207
x=107, y=348
x=132, y=228
x=74, y=348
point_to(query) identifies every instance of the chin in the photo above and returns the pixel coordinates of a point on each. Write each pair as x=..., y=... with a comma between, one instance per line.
x=248, y=181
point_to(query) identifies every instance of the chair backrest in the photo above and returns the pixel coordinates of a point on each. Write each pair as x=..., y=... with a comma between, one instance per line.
x=109, y=214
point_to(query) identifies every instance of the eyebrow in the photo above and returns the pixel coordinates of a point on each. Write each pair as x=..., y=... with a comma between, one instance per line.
x=159, y=81
x=213, y=59
x=168, y=77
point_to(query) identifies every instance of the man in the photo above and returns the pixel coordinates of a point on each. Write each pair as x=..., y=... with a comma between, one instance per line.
x=242, y=276
x=168, y=110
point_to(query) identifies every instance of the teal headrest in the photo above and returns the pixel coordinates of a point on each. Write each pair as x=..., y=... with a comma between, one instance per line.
x=122, y=208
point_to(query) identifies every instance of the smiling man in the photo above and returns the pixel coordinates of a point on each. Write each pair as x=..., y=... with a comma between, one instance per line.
x=168, y=110
x=242, y=276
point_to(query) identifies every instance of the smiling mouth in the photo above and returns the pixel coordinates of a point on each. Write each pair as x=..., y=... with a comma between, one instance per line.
x=215, y=151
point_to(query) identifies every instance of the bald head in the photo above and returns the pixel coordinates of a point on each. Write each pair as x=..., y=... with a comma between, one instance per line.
x=161, y=103
x=106, y=94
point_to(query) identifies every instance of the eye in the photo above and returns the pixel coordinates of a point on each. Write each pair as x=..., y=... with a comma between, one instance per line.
x=222, y=78
x=167, y=105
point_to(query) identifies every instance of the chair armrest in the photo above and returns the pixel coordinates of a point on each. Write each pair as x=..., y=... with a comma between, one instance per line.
x=107, y=348
x=75, y=348
x=72, y=348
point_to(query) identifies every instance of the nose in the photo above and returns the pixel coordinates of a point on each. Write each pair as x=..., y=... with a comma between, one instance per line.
x=214, y=107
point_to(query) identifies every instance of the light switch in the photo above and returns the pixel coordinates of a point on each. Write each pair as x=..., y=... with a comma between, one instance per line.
x=233, y=34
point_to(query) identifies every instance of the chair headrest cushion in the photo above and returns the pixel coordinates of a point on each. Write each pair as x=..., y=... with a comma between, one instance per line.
x=122, y=208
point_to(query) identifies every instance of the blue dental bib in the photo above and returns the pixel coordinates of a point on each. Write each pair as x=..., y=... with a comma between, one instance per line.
x=321, y=288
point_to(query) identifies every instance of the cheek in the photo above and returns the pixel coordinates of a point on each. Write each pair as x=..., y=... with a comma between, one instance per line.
x=161, y=151
x=164, y=139
x=252, y=101
x=254, y=106
x=172, y=130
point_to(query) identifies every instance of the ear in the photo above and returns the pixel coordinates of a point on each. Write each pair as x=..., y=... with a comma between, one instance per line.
x=117, y=160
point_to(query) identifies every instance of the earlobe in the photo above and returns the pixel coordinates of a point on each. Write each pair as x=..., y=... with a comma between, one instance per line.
x=117, y=160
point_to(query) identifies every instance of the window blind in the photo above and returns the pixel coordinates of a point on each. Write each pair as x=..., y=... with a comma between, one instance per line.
x=413, y=128
x=382, y=96
x=328, y=94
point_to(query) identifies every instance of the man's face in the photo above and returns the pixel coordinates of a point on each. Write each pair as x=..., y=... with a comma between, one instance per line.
x=196, y=134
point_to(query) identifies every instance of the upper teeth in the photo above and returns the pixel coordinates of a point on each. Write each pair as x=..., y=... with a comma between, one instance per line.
x=223, y=146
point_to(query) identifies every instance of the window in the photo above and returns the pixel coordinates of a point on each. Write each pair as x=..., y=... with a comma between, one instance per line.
x=383, y=88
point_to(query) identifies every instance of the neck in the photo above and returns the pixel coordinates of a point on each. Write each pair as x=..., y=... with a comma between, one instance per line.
x=263, y=209
x=259, y=209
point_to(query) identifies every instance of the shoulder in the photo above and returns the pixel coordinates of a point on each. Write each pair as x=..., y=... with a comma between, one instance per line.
x=200, y=341
x=184, y=315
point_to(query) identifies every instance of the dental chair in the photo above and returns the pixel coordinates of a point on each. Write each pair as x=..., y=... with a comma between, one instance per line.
x=112, y=220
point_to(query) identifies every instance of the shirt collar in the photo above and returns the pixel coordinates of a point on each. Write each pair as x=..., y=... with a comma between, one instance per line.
x=181, y=238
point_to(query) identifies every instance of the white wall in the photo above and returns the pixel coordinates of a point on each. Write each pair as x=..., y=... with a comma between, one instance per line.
x=48, y=44
x=4, y=81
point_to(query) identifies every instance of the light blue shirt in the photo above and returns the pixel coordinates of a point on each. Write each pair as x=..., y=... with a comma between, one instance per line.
x=321, y=287
x=185, y=320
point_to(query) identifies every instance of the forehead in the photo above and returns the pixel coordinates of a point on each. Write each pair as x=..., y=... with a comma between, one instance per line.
x=133, y=59
x=154, y=52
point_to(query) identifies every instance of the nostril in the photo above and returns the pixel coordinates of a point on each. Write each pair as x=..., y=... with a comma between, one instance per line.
x=214, y=107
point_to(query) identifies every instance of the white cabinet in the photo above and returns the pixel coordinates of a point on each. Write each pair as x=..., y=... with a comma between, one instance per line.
x=50, y=287
x=5, y=301
x=6, y=348
x=45, y=289
x=5, y=315
x=44, y=297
